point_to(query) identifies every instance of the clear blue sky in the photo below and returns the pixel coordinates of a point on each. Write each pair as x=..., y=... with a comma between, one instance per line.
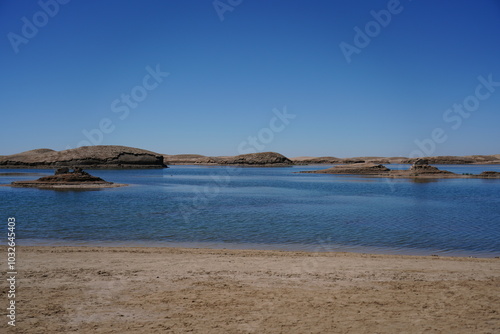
x=227, y=76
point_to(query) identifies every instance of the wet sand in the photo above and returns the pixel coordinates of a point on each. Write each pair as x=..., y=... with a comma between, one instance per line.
x=176, y=290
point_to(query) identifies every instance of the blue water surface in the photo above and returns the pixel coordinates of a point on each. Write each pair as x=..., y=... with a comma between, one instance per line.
x=264, y=208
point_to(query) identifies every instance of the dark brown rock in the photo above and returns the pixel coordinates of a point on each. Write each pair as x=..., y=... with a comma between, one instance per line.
x=264, y=158
x=252, y=159
x=353, y=161
x=460, y=160
x=355, y=169
x=62, y=170
x=314, y=160
x=420, y=162
x=100, y=156
x=490, y=174
x=421, y=166
x=65, y=178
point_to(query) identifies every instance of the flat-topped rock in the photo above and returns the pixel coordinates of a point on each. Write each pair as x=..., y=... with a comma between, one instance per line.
x=251, y=159
x=355, y=168
x=315, y=160
x=66, y=178
x=263, y=158
x=419, y=170
x=95, y=157
x=490, y=174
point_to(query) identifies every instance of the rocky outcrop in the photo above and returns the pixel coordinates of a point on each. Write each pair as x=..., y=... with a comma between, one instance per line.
x=490, y=174
x=252, y=159
x=438, y=160
x=419, y=170
x=95, y=157
x=353, y=161
x=315, y=161
x=65, y=178
x=421, y=166
x=356, y=169
x=459, y=160
x=486, y=159
x=65, y=175
x=444, y=160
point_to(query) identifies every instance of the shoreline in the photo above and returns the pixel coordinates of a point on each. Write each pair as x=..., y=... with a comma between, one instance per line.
x=304, y=248
x=177, y=290
x=236, y=251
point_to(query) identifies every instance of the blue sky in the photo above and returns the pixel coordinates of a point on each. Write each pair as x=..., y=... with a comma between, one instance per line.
x=68, y=69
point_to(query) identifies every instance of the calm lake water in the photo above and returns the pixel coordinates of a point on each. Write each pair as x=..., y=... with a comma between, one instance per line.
x=266, y=208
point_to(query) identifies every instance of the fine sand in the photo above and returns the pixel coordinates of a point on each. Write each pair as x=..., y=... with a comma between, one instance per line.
x=174, y=290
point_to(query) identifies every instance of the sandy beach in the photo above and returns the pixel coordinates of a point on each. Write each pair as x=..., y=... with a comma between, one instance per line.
x=175, y=290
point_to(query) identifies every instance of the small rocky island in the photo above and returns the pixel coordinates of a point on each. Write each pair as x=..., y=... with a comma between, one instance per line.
x=419, y=170
x=65, y=178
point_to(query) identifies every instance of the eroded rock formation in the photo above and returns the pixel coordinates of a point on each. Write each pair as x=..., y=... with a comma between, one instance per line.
x=355, y=168
x=252, y=159
x=67, y=178
x=100, y=156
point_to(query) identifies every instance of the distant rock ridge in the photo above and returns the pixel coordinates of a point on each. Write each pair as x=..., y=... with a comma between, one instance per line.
x=182, y=159
x=437, y=160
x=95, y=157
x=251, y=159
x=355, y=168
x=112, y=156
x=316, y=160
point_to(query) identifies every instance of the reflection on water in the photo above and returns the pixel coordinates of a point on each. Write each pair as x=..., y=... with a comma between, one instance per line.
x=428, y=180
